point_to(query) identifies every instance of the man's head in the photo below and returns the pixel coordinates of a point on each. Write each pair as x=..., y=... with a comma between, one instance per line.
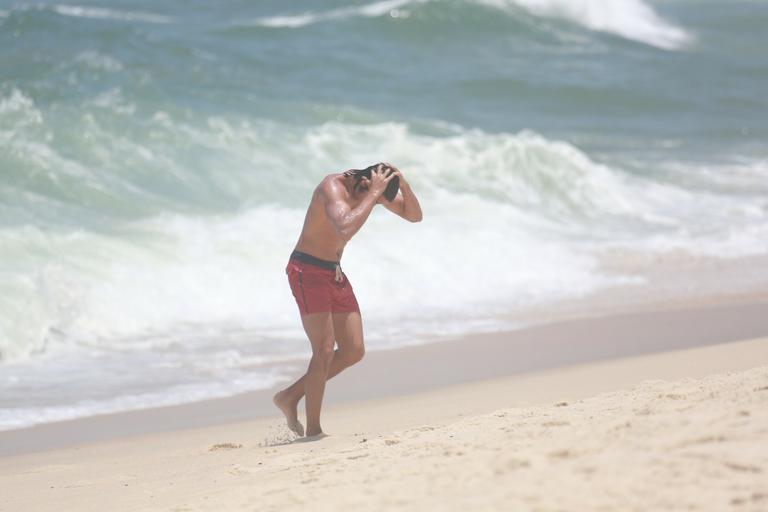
x=362, y=180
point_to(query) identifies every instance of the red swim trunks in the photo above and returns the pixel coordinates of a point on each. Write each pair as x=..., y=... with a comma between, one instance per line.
x=319, y=286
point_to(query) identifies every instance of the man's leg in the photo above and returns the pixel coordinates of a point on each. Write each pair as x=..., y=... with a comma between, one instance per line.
x=319, y=329
x=348, y=330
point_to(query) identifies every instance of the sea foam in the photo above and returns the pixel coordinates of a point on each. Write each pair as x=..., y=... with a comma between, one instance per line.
x=635, y=20
x=512, y=219
x=372, y=10
x=102, y=13
x=631, y=19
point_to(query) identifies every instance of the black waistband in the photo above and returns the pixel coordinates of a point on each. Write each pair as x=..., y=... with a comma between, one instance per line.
x=311, y=260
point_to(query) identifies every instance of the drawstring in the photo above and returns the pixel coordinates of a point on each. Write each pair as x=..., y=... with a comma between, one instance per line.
x=339, y=276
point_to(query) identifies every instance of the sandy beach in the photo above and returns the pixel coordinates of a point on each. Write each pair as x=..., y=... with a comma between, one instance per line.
x=634, y=427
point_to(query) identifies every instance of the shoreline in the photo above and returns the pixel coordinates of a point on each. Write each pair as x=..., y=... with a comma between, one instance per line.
x=532, y=439
x=420, y=368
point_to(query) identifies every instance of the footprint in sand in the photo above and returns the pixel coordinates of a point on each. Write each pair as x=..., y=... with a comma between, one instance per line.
x=746, y=468
x=757, y=496
x=278, y=436
x=561, y=454
x=237, y=471
x=511, y=465
x=555, y=424
x=224, y=446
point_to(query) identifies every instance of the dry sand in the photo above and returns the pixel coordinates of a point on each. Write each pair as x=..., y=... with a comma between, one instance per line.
x=697, y=440
x=696, y=444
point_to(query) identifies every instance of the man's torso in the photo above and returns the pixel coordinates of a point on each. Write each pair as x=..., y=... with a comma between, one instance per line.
x=318, y=235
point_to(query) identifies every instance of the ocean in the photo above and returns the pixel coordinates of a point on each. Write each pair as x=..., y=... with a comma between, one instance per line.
x=157, y=158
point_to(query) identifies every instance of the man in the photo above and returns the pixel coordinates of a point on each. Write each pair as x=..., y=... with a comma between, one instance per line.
x=339, y=207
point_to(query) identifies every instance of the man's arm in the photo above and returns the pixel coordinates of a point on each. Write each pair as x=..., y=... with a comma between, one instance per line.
x=405, y=204
x=346, y=220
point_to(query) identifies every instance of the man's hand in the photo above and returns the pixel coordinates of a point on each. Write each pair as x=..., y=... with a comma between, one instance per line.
x=380, y=178
x=405, y=203
x=396, y=172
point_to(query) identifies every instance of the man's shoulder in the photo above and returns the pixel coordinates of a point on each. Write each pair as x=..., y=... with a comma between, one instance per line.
x=330, y=186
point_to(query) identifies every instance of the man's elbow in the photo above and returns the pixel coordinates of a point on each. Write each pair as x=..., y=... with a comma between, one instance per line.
x=416, y=218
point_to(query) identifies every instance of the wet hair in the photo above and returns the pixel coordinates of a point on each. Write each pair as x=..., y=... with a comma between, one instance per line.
x=392, y=187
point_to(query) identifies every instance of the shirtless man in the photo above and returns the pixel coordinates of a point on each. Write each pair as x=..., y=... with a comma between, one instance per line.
x=329, y=312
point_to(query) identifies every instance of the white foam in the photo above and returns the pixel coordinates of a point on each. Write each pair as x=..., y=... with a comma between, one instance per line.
x=374, y=10
x=630, y=19
x=113, y=100
x=19, y=113
x=17, y=101
x=22, y=417
x=98, y=60
x=102, y=13
x=524, y=218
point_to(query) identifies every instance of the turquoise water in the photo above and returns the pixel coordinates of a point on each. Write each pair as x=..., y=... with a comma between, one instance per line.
x=156, y=160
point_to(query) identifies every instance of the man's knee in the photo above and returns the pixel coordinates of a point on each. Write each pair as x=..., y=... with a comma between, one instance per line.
x=322, y=357
x=353, y=355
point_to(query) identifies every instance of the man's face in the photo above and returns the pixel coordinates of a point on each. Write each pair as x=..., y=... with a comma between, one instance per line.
x=362, y=184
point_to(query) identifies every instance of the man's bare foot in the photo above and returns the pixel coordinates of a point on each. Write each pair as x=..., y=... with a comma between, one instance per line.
x=290, y=410
x=313, y=437
x=312, y=432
